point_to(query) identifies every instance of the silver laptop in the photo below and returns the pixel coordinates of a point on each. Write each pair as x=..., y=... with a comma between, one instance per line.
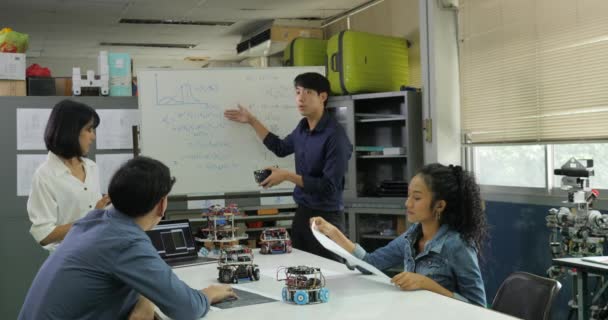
x=174, y=243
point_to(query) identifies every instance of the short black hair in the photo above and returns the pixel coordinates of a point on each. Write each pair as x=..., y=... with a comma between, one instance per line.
x=62, y=132
x=313, y=81
x=138, y=185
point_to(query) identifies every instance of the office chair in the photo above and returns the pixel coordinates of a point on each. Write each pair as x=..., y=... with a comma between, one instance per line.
x=526, y=296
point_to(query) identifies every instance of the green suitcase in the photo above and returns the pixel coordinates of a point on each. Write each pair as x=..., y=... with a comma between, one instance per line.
x=305, y=52
x=361, y=62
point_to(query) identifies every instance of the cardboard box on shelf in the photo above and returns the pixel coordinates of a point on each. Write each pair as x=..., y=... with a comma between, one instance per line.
x=287, y=33
x=262, y=212
x=12, y=66
x=63, y=86
x=12, y=88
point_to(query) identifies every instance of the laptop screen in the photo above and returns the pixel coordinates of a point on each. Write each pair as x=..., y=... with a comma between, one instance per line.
x=173, y=239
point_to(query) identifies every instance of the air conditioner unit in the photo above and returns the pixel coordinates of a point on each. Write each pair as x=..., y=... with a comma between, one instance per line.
x=275, y=38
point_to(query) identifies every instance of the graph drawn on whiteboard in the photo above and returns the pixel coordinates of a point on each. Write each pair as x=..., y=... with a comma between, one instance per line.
x=186, y=93
x=183, y=93
x=183, y=123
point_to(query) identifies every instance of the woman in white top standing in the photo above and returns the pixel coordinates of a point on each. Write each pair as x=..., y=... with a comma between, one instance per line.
x=66, y=186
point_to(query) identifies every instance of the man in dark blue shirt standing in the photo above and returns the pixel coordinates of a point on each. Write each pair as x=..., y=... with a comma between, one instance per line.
x=321, y=149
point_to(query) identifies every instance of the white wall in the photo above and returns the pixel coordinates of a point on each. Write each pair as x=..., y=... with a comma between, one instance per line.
x=440, y=77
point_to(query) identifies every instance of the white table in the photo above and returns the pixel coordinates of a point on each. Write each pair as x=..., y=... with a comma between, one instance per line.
x=352, y=295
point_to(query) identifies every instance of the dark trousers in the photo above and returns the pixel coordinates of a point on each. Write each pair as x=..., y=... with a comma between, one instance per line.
x=302, y=237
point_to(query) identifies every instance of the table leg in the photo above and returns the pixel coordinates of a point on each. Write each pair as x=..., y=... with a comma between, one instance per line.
x=582, y=295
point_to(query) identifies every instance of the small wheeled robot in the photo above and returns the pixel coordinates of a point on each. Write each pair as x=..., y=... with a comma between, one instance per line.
x=236, y=263
x=218, y=230
x=303, y=285
x=275, y=240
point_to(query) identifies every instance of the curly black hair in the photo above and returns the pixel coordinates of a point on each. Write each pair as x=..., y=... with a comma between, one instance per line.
x=464, y=211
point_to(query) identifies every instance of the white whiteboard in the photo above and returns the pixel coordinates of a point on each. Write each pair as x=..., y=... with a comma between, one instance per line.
x=183, y=124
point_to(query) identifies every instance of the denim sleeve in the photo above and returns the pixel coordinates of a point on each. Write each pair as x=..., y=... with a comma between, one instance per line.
x=139, y=267
x=280, y=147
x=465, y=267
x=386, y=257
x=337, y=152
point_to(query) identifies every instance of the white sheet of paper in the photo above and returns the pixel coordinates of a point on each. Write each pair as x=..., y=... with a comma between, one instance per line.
x=114, y=130
x=30, y=128
x=26, y=166
x=108, y=164
x=352, y=260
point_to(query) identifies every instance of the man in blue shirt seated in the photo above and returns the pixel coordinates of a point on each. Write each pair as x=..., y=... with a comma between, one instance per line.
x=107, y=267
x=322, y=150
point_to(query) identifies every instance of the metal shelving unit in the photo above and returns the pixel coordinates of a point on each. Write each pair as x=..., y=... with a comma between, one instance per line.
x=375, y=121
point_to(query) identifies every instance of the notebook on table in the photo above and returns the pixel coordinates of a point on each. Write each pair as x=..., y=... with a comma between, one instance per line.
x=174, y=243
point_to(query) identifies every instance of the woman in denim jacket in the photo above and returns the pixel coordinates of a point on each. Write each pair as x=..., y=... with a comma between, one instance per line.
x=439, y=250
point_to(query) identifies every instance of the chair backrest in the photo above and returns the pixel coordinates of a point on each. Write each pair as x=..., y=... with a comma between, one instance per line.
x=526, y=296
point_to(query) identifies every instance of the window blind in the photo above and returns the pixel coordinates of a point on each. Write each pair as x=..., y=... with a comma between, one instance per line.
x=533, y=70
